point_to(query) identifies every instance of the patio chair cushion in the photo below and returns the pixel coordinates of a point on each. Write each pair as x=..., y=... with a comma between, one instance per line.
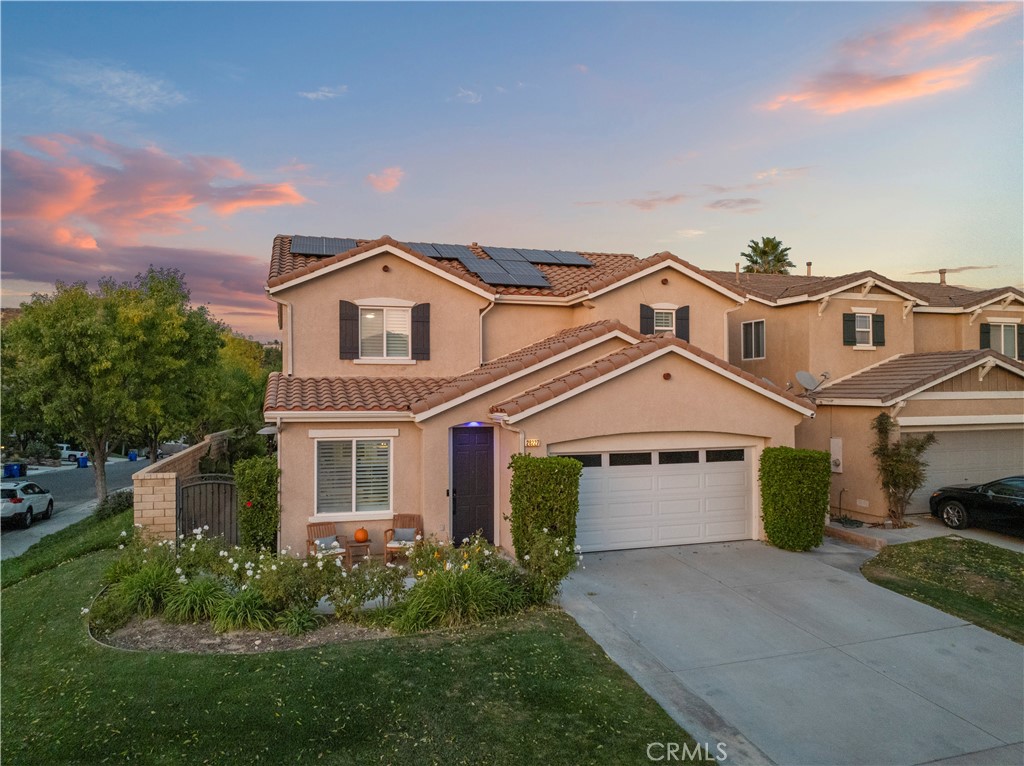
x=405, y=535
x=329, y=543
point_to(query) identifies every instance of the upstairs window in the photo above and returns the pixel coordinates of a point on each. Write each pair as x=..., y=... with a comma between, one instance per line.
x=1004, y=338
x=864, y=330
x=753, y=339
x=664, y=321
x=387, y=334
x=659, y=319
x=384, y=333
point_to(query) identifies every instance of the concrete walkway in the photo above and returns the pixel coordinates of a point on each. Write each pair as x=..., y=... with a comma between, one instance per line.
x=925, y=527
x=792, y=658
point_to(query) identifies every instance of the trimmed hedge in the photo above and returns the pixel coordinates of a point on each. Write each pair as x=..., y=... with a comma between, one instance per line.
x=794, y=496
x=259, y=513
x=545, y=499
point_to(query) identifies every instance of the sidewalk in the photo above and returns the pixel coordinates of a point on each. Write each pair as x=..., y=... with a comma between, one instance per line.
x=925, y=528
x=39, y=470
x=16, y=544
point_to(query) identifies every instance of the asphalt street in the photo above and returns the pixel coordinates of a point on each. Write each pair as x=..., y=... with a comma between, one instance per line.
x=74, y=495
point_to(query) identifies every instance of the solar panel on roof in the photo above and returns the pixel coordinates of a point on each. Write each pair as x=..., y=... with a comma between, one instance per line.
x=302, y=245
x=570, y=259
x=504, y=254
x=423, y=248
x=457, y=252
x=536, y=279
x=538, y=256
x=505, y=272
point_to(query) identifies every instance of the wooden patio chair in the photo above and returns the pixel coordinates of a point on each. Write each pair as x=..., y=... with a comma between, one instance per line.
x=321, y=536
x=402, y=536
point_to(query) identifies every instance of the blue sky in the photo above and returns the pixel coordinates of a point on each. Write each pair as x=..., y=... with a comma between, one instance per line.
x=883, y=136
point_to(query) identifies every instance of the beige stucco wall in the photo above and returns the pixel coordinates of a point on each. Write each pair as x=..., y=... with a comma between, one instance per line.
x=786, y=339
x=510, y=327
x=454, y=319
x=707, y=306
x=958, y=332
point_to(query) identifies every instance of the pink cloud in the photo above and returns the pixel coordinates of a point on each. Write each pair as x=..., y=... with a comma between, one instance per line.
x=735, y=205
x=124, y=192
x=653, y=201
x=840, y=92
x=581, y=68
x=62, y=235
x=387, y=180
x=941, y=25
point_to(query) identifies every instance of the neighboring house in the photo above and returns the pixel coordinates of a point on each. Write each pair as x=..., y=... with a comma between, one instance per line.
x=937, y=357
x=412, y=372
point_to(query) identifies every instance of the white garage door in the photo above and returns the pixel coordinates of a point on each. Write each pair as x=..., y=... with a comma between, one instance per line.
x=644, y=499
x=961, y=457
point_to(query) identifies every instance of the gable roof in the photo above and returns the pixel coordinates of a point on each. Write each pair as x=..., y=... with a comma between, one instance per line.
x=612, y=364
x=421, y=396
x=902, y=376
x=790, y=288
x=286, y=266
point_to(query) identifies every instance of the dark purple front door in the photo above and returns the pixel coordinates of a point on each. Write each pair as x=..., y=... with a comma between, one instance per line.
x=472, y=482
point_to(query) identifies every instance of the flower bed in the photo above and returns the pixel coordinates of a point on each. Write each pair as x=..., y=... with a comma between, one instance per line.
x=197, y=579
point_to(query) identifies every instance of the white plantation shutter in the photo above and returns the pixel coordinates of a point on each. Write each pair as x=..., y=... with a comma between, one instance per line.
x=371, y=332
x=353, y=475
x=396, y=325
x=334, y=477
x=373, y=475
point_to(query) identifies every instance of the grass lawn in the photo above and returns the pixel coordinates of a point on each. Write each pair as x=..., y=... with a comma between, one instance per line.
x=528, y=690
x=981, y=583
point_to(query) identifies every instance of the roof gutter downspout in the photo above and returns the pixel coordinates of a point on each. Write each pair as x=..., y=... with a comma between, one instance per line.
x=289, y=361
x=484, y=311
x=499, y=418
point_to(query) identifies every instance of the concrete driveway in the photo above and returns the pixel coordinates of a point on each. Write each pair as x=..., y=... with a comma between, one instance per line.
x=792, y=658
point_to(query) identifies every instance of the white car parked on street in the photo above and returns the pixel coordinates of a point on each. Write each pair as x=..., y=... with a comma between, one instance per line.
x=24, y=500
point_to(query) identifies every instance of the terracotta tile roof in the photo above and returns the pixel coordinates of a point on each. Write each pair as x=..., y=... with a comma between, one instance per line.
x=565, y=280
x=346, y=394
x=641, y=264
x=895, y=378
x=621, y=358
x=521, y=360
x=954, y=296
x=776, y=287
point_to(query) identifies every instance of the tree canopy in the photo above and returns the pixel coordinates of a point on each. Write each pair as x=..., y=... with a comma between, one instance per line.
x=129, y=357
x=767, y=257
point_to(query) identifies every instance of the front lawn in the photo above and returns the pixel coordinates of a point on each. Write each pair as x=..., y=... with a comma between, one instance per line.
x=525, y=690
x=981, y=583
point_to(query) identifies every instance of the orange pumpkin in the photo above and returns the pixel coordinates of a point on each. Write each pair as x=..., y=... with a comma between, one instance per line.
x=362, y=535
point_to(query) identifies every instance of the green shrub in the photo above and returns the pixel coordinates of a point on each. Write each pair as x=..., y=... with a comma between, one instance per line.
x=115, y=503
x=194, y=600
x=367, y=581
x=109, y=611
x=456, y=596
x=545, y=501
x=54, y=453
x=794, y=496
x=286, y=583
x=297, y=619
x=901, y=469
x=243, y=610
x=37, y=450
x=259, y=514
x=144, y=591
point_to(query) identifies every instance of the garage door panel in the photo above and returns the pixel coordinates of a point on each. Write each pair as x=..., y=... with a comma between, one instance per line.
x=962, y=457
x=664, y=504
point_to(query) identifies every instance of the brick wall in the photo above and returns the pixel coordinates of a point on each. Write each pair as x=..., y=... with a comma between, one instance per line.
x=156, y=485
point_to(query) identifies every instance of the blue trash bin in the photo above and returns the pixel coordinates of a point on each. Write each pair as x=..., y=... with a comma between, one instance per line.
x=22, y=470
x=83, y=461
x=10, y=471
x=133, y=455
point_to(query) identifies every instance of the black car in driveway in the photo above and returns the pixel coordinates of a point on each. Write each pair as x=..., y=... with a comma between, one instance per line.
x=1000, y=502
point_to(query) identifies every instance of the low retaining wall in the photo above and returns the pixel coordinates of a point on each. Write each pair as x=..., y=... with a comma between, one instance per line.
x=156, y=485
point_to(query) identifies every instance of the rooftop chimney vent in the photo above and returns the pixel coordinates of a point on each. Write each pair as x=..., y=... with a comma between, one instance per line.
x=809, y=268
x=942, y=276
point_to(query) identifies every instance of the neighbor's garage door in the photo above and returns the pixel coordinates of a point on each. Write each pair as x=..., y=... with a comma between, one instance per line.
x=643, y=499
x=960, y=457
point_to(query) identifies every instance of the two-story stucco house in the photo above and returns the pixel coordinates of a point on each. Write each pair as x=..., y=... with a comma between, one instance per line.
x=413, y=371
x=938, y=358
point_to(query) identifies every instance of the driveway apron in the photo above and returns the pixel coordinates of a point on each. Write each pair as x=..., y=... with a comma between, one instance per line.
x=787, y=659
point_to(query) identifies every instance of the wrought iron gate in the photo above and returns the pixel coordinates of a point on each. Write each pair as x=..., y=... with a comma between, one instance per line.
x=208, y=500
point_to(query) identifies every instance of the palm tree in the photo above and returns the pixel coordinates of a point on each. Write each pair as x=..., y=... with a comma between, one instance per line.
x=767, y=257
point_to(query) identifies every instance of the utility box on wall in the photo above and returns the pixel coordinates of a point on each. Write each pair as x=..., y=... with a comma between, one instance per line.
x=835, y=448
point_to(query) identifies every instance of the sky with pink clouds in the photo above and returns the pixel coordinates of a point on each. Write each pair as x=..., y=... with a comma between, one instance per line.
x=885, y=136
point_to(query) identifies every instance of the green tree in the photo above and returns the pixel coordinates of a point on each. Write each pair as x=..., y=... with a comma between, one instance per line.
x=900, y=467
x=767, y=257
x=98, y=364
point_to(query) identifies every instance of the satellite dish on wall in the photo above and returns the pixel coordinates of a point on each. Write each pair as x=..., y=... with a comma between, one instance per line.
x=807, y=380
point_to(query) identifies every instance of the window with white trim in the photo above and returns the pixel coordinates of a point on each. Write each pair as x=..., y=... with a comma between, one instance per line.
x=384, y=333
x=753, y=339
x=863, y=329
x=1003, y=338
x=664, y=320
x=353, y=476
